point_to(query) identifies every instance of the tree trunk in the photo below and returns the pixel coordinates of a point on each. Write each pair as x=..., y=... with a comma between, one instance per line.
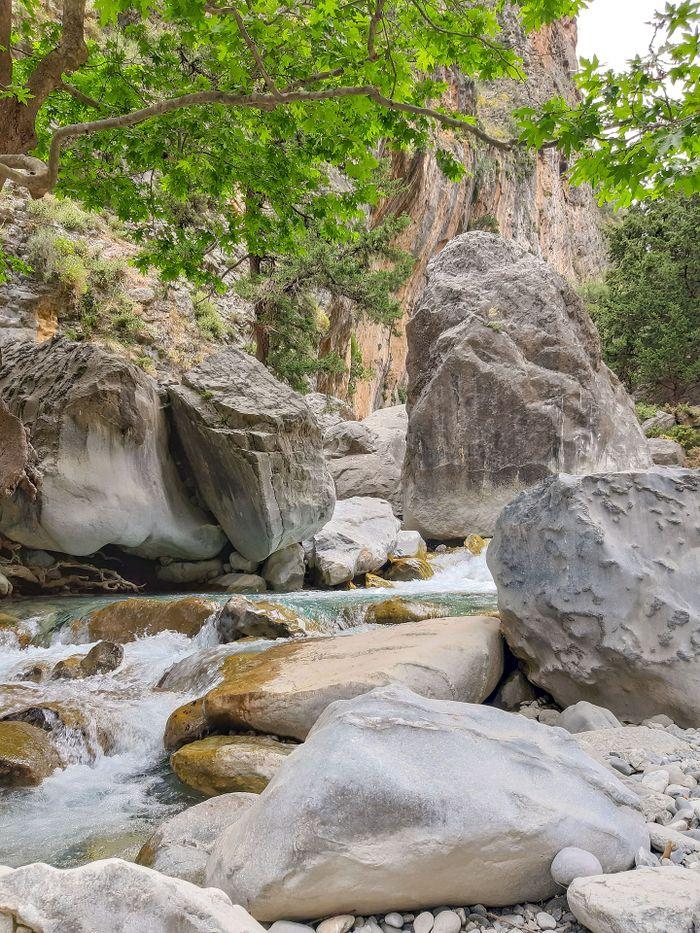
x=262, y=337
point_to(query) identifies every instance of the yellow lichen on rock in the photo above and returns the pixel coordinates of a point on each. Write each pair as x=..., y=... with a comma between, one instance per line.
x=128, y=619
x=223, y=764
x=475, y=544
x=27, y=755
x=406, y=569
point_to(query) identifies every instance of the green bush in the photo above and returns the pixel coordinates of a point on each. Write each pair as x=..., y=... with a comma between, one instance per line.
x=647, y=308
x=208, y=319
x=683, y=434
x=63, y=211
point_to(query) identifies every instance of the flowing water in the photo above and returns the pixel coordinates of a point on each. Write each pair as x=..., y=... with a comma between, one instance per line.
x=116, y=783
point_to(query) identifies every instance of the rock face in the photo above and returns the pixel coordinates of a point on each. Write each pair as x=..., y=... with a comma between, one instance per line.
x=597, y=590
x=181, y=845
x=356, y=540
x=111, y=894
x=649, y=900
x=366, y=457
x=255, y=452
x=506, y=387
x=283, y=690
x=398, y=802
x=101, y=440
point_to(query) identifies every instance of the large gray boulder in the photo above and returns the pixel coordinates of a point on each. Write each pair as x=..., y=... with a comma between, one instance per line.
x=358, y=539
x=649, y=900
x=398, y=802
x=110, y=895
x=597, y=581
x=506, y=387
x=366, y=457
x=255, y=453
x=101, y=458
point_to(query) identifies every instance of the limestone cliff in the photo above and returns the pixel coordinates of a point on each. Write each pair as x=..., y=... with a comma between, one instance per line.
x=525, y=198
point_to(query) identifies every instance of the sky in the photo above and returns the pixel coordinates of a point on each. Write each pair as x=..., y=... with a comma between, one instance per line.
x=615, y=30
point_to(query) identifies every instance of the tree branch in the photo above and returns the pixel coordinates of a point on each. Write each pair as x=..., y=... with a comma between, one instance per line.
x=252, y=47
x=78, y=95
x=70, y=53
x=373, y=26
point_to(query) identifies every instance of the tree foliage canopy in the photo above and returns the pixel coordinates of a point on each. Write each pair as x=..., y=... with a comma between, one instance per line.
x=648, y=306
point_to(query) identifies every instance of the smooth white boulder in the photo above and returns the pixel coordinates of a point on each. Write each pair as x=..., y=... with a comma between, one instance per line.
x=356, y=540
x=648, y=900
x=398, y=802
x=113, y=896
x=572, y=863
x=587, y=717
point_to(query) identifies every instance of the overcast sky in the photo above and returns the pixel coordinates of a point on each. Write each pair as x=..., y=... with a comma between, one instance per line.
x=615, y=30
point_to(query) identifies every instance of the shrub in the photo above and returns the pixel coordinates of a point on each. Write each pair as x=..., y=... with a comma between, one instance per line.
x=208, y=319
x=63, y=211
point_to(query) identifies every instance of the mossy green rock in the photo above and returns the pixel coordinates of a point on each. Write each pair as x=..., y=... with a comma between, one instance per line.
x=26, y=755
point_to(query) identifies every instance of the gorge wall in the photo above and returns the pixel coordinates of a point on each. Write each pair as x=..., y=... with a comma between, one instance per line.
x=523, y=197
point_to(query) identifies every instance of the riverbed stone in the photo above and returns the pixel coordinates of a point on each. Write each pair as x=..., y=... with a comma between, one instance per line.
x=101, y=441
x=111, y=894
x=398, y=610
x=571, y=863
x=283, y=690
x=408, y=544
x=181, y=844
x=187, y=572
x=648, y=900
x=127, y=619
x=185, y=724
x=239, y=583
x=246, y=618
x=225, y=764
x=255, y=453
x=597, y=590
x=398, y=802
x=587, y=717
x=27, y=755
x=356, y=540
x=506, y=386
x=406, y=569
x=284, y=570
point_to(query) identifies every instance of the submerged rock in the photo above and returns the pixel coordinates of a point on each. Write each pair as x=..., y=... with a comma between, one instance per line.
x=97, y=425
x=284, y=689
x=180, y=845
x=27, y=755
x=399, y=802
x=243, y=618
x=597, y=590
x=356, y=540
x=225, y=764
x=255, y=453
x=112, y=894
x=398, y=610
x=405, y=569
x=103, y=657
x=506, y=387
x=127, y=619
x=648, y=900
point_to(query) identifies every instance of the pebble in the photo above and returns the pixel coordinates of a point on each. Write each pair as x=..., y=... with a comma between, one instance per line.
x=340, y=924
x=545, y=921
x=656, y=780
x=447, y=922
x=423, y=922
x=288, y=926
x=572, y=862
x=394, y=920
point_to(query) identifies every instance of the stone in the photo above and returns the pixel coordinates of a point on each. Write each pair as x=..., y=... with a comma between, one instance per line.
x=186, y=572
x=424, y=922
x=356, y=540
x=284, y=689
x=506, y=386
x=396, y=801
x=656, y=780
x=111, y=894
x=398, y=609
x=408, y=544
x=185, y=724
x=99, y=432
x=243, y=618
x=240, y=583
x=5, y=585
x=27, y=755
x=406, y=569
x=629, y=742
x=666, y=452
x=284, y=571
x=287, y=926
x=572, y=863
x=513, y=691
x=226, y=764
x=545, y=921
x=394, y=920
x=180, y=845
x=661, y=836
x=127, y=619
x=68, y=668
x=648, y=900
x=661, y=421
x=102, y=658
x=255, y=453
x=586, y=717
x=341, y=924
x=447, y=921
x=237, y=561
x=365, y=457
x=597, y=590
x=328, y=410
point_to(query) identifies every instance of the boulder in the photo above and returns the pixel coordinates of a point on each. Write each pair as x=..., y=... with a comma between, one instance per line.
x=328, y=410
x=366, y=457
x=27, y=755
x=408, y=544
x=105, y=473
x=284, y=689
x=572, y=863
x=356, y=540
x=648, y=900
x=243, y=618
x=180, y=845
x=513, y=691
x=399, y=802
x=185, y=724
x=506, y=386
x=112, y=894
x=102, y=658
x=127, y=619
x=666, y=452
x=398, y=610
x=255, y=453
x=187, y=572
x=284, y=571
x=225, y=764
x=586, y=717
x=406, y=569
x=239, y=583
x=661, y=421
x=597, y=590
